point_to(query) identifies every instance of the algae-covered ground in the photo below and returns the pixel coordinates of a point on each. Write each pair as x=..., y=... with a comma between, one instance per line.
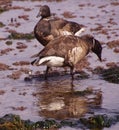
x=28, y=102
x=14, y=122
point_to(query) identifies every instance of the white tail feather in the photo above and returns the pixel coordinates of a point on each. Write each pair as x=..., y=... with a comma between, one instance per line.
x=80, y=31
x=50, y=61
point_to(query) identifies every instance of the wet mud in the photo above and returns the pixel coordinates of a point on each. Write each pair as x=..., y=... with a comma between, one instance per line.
x=90, y=101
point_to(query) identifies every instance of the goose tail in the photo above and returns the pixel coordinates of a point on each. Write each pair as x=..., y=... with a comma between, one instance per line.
x=34, y=62
x=40, y=61
x=78, y=33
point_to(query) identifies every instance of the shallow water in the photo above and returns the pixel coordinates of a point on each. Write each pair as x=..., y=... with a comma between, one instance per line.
x=57, y=98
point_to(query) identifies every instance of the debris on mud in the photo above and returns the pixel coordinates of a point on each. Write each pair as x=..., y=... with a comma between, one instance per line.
x=21, y=63
x=21, y=45
x=18, y=73
x=4, y=2
x=98, y=28
x=116, y=50
x=81, y=75
x=21, y=108
x=113, y=44
x=5, y=51
x=67, y=14
x=49, y=0
x=25, y=17
x=20, y=7
x=2, y=92
x=97, y=70
x=115, y=3
x=95, y=104
x=25, y=70
x=5, y=5
x=111, y=64
x=3, y=67
x=15, y=74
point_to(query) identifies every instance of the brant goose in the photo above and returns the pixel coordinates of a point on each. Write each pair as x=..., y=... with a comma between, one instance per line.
x=67, y=51
x=49, y=27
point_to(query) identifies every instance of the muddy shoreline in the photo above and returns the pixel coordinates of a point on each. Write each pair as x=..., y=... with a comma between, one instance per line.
x=59, y=98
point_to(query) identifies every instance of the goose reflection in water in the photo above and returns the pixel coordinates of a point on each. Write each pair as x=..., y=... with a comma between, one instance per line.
x=60, y=100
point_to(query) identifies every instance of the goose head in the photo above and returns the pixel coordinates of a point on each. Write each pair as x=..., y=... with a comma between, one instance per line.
x=44, y=12
x=94, y=44
x=97, y=48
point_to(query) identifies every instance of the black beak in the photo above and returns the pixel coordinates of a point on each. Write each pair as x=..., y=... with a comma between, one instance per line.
x=38, y=15
x=99, y=56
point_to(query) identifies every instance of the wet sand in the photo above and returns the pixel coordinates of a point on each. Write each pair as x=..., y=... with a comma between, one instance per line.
x=38, y=99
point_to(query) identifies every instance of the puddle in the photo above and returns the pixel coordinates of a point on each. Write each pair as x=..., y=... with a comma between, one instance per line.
x=57, y=98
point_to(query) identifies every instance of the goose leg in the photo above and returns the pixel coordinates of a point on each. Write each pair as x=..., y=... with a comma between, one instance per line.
x=46, y=73
x=71, y=72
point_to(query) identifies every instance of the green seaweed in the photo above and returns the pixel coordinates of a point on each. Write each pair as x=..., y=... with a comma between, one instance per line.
x=2, y=10
x=16, y=35
x=82, y=75
x=8, y=43
x=14, y=122
x=46, y=124
x=111, y=74
x=1, y=25
x=97, y=121
x=69, y=123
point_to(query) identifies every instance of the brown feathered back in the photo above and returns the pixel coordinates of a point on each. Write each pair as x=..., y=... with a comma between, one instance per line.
x=67, y=51
x=48, y=27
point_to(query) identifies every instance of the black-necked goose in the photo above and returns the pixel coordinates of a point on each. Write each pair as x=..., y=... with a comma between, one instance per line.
x=49, y=27
x=67, y=51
